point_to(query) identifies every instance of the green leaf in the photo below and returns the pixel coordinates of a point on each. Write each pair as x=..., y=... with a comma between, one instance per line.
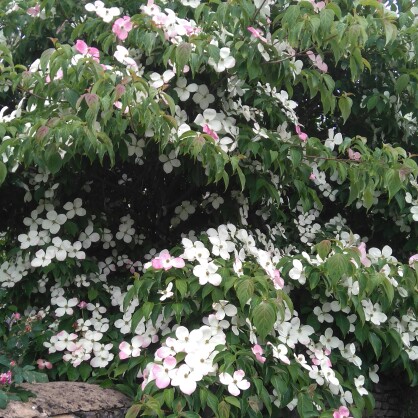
x=390, y=31
x=401, y=83
x=31, y=376
x=323, y=248
x=181, y=286
x=3, y=172
x=4, y=400
x=169, y=397
x=147, y=308
x=183, y=52
x=392, y=182
x=73, y=373
x=245, y=290
x=54, y=163
x=92, y=294
x=133, y=411
x=264, y=316
x=295, y=156
x=344, y=104
x=305, y=406
x=389, y=290
x=233, y=401
x=337, y=266
x=85, y=370
x=376, y=343
x=212, y=402
x=342, y=323
x=224, y=410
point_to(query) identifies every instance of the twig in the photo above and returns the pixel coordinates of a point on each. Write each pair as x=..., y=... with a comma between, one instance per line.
x=258, y=11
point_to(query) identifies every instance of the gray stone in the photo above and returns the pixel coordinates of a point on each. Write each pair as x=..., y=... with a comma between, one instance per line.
x=69, y=400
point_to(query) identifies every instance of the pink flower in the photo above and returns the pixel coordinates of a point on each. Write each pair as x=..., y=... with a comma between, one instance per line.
x=118, y=105
x=58, y=76
x=277, y=279
x=258, y=351
x=162, y=379
x=122, y=27
x=363, y=255
x=82, y=304
x=317, y=61
x=43, y=363
x=312, y=176
x=353, y=155
x=86, y=50
x=413, y=259
x=210, y=132
x=34, y=11
x=342, y=412
x=165, y=261
x=302, y=136
x=81, y=47
x=6, y=378
x=257, y=33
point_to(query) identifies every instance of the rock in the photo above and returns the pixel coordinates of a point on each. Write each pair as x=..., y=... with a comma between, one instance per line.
x=69, y=400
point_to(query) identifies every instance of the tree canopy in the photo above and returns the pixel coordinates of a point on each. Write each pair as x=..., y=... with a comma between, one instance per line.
x=210, y=205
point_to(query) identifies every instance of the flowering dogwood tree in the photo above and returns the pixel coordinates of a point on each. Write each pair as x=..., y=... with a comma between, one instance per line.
x=210, y=205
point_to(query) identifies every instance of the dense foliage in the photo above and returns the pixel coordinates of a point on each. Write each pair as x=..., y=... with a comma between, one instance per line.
x=210, y=205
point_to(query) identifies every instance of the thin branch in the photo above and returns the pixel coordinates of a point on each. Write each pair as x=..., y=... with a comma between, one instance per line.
x=318, y=157
x=258, y=11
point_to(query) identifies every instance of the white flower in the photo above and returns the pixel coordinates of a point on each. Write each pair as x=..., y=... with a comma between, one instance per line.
x=221, y=247
x=65, y=306
x=201, y=361
x=29, y=240
x=64, y=341
x=297, y=273
x=107, y=14
x=158, y=80
x=202, y=97
x=53, y=222
x=235, y=383
x=103, y=355
x=74, y=208
x=167, y=293
x=333, y=139
x=207, y=274
x=88, y=236
x=224, y=308
x=226, y=61
x=328, y=341
x=43, y=258
x=373, y=373
x=322, y=314
x=96, y=309
x=183, y=90
x=169, y=162
x=414, y=211
x=209, y=118
x=184, y=210
x=122, y=55
x=373, y=313
x=280, y=352
x=359, y=382
x=136, y=147
x=185, y=378
x=124, y=324
x=195, y=251
x=190, y=3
